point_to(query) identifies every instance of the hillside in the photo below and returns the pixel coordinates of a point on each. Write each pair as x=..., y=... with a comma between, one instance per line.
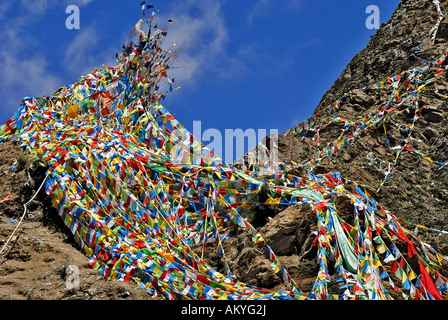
x=389, y=130
x=32, y=267
x=353, y=211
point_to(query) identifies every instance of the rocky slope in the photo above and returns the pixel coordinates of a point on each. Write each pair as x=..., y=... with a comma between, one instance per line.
x=416, y=186
x=33, y=263
x=401, y=43
x=415, y=189
x=396, y=129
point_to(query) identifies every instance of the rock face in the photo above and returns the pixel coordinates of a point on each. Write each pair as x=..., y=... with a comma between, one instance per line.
x=33, y=263
x=398, y=162
x=410, y=184
x=399, y=44
x=290, y=236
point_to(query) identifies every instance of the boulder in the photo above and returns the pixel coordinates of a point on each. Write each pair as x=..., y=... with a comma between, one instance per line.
x=433, y=115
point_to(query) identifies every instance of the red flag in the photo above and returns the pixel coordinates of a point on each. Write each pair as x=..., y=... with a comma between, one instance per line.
x=428, y=283
x=320, y=206
x=440, y=71
x=394, y=267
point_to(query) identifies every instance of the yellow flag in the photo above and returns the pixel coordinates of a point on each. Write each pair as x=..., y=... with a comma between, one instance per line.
x=276, y=266
x=246, y=206
x=378, y=263
x=59, y=169
x=404, y=278
x=439, y=258
x=114, y=275
x=72, y=112
x=273, y=201
x=258, y=238
x=381, y=248
x=222, y=201
x=411, y=275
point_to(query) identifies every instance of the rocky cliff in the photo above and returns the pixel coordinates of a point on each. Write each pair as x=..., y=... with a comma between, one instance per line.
x=354, y=211
x=395, y=156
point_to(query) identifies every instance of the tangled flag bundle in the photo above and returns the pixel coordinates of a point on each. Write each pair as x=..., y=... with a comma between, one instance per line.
x=138, y=191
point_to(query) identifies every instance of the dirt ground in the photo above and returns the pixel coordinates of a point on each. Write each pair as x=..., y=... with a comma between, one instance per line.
x=32, y=264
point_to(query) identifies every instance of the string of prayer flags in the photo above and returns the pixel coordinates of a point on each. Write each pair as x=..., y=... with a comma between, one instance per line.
x=143, y=197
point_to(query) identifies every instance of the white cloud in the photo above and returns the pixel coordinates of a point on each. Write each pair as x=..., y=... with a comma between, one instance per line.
x=4, y=8
x=86, y=51
x=265, y=8
x=297, y=4
x=35, y=9
x=78, y=54
x=24, y=76
x=79, y=3
x=85, y=2
x=23, y=71
x=261, y=8
x=200, y=27
x=30, y=74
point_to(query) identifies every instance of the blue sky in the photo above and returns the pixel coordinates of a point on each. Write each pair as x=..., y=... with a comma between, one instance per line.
x=260, y=64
